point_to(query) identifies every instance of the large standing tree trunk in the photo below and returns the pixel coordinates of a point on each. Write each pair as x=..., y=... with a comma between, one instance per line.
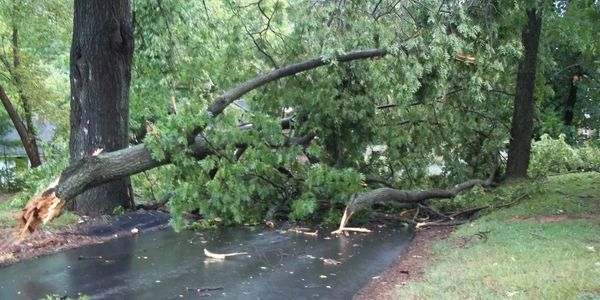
x=522, y=121
x=101, y=54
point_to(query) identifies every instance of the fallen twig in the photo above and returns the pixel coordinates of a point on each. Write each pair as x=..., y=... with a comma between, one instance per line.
x=222, y=256
x=204, y=289
x=355, y=229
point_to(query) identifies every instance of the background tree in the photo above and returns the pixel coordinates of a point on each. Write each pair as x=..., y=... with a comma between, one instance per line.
x=568, y=84
x=30, y=61
x=521, y=131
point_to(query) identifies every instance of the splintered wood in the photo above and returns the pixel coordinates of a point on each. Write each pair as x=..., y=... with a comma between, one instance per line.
x=343, y=223
x=40, y=210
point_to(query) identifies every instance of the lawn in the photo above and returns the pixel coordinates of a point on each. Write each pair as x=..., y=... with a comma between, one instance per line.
x=545, y=247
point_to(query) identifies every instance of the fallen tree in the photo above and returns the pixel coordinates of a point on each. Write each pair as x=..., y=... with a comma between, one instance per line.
x=385, y=195
x=104, y=167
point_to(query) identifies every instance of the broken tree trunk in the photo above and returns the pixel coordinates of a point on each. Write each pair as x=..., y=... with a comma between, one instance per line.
x=384, y=195
x=97, y=169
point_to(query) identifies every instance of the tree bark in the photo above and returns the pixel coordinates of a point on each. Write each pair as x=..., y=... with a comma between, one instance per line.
x=571, y=97
x=101, y=56
x=521, y=131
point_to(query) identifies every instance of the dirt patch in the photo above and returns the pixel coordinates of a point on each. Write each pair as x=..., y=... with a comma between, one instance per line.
x=557, y=218
x=40, y=243
x=91, y=231
x=407, y=267
x=4, y=197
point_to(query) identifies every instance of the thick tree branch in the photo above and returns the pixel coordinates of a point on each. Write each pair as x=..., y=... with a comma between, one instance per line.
x=385, y=195
x=228, y=97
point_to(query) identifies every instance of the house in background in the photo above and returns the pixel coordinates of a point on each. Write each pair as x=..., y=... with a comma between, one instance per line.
x=587, y=133
x=11, y=149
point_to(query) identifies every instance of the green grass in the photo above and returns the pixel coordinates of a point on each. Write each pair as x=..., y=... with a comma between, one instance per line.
x=66, y=218
x=525, y=256
x=7, y=214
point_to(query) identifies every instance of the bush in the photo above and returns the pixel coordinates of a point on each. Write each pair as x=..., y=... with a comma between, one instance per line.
x=550, y=155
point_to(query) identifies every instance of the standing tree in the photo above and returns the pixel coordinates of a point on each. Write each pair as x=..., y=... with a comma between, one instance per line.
x=23, y=122
x=101, y=56
x=522, y=121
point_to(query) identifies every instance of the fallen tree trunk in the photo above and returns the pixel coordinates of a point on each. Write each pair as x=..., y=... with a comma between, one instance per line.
x=385, y=195
x=97, y=169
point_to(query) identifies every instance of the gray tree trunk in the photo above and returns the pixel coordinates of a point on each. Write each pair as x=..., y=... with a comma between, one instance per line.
x=101, y=55
x=521, y=130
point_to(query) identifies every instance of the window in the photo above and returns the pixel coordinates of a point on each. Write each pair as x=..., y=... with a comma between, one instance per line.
x=586, y=132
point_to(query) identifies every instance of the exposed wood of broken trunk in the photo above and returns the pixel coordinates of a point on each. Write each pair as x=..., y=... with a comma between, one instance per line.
x=94, y=170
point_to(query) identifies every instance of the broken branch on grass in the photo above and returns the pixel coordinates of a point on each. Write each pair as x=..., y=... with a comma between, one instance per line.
x=384, y=195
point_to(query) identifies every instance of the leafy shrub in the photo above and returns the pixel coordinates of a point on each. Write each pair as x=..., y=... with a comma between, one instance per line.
x=550, y=155
x=35, y=180
x=10, y=182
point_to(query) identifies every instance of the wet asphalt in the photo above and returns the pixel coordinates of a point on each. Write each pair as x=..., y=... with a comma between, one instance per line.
x=166, y=265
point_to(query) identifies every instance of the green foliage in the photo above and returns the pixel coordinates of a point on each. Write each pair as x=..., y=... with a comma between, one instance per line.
x=550, y=155
x=118, y=211
x=36, y=180
x=189, y=53
x=7, y=214
x=66, y=218
x=44, y=31
x=569, y=47
x=422, y=103
x=10, y=182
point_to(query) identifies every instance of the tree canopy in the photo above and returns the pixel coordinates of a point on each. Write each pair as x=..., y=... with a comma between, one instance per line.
x=433, y=110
